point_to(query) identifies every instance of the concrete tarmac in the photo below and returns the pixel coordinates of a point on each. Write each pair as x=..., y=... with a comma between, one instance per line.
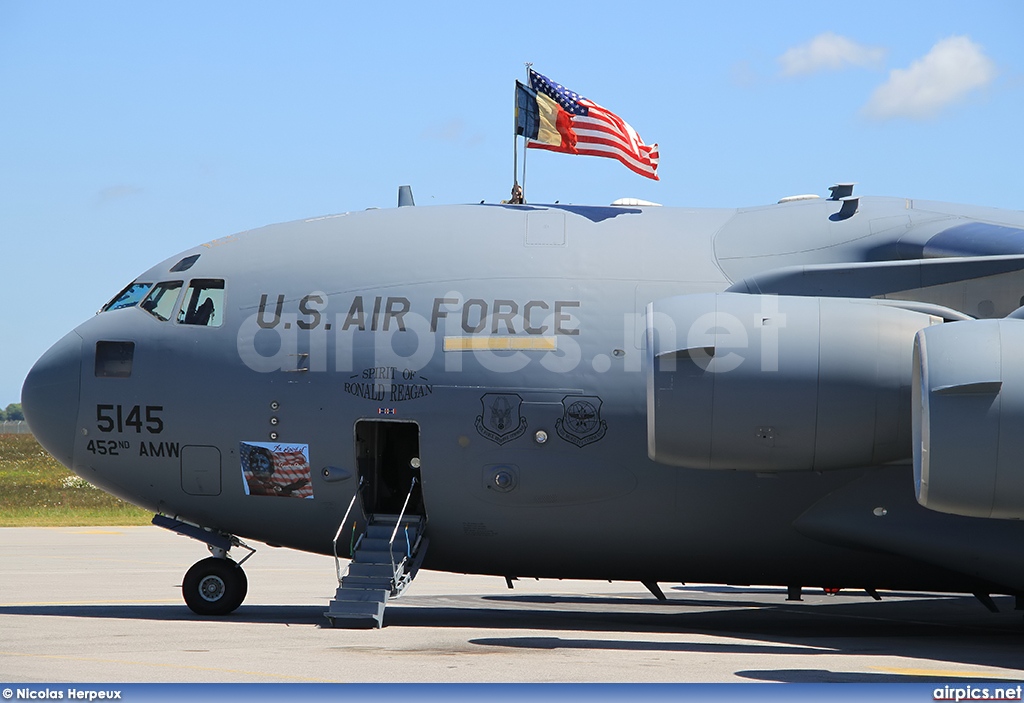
x=82, y=605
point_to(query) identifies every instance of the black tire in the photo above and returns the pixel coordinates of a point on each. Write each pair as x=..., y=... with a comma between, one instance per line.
x=214, y=586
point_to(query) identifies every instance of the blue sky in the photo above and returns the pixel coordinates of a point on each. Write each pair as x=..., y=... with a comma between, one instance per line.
x=130, y=131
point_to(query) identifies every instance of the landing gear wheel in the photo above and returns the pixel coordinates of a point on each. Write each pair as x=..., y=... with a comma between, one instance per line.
x=214, y=586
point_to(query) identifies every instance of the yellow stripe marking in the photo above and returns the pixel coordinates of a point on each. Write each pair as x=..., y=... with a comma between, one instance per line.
x=500, y=343
x=931, y=673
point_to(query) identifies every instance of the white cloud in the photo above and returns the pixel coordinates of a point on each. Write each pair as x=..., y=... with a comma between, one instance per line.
x=744, y=74
x=454, y=131
x=952, y=69
x=118, y=192
x=829, y=52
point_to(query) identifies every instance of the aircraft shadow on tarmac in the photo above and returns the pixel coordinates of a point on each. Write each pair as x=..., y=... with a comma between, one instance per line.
x=950, y=630
x=826, y=676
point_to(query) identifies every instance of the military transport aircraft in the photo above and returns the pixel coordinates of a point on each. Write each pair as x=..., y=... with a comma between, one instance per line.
x=824, y=391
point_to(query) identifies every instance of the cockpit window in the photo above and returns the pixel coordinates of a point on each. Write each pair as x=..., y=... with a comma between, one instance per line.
x=204, y=303
x=160, y=301
x=129, y=297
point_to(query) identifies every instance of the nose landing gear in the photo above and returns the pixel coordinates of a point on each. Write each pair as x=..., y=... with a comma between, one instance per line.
x=215, y=585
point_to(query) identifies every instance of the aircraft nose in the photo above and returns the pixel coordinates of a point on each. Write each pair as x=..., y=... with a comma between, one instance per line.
x=49, y=397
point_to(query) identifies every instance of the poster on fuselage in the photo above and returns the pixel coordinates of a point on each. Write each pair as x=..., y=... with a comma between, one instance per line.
x=277, y=469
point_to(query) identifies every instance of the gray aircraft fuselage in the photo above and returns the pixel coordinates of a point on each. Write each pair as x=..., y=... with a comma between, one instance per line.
x=505, y=353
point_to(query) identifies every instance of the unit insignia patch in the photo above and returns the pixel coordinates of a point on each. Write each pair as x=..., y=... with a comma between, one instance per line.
x=581, y=421
x=501, y=421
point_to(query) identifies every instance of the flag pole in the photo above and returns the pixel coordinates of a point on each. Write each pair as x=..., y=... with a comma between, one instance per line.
x=524, y=170
x=529, y=65
x=515, y=143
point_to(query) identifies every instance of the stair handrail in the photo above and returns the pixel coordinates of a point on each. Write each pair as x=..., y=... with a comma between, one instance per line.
x=391, y=542
x=337, y=561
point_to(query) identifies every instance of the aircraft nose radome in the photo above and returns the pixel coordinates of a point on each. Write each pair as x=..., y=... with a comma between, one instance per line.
x=49, y=397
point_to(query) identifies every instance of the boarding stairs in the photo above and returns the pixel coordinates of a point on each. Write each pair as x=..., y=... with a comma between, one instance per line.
x=385, y=560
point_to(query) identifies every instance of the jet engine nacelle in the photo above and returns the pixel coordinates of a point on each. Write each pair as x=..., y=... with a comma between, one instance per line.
x=969, y=418
x=779, y=383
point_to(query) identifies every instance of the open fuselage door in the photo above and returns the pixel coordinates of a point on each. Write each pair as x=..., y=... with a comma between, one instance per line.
x=388, y=554
x=387, y=458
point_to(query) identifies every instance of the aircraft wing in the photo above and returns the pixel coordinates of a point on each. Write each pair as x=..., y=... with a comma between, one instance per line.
x=876, y=278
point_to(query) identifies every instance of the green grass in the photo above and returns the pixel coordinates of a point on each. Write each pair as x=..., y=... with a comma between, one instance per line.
x=37, y=491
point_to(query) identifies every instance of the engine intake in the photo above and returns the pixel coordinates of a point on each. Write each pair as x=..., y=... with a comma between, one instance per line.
x=779, y=383
x=968, y=418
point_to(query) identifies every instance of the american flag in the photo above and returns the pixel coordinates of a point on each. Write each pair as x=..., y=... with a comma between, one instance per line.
x=598, y=131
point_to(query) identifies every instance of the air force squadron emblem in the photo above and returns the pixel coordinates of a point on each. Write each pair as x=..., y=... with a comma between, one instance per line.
x=581, y=421
x=501, y=421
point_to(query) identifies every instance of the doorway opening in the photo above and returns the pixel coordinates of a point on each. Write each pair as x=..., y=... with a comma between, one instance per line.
x=388, y=459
